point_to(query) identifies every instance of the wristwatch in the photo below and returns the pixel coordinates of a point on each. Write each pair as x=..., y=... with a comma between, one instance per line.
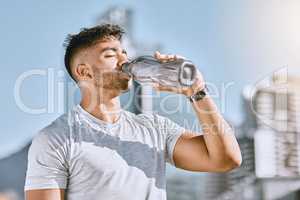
x=198, y=95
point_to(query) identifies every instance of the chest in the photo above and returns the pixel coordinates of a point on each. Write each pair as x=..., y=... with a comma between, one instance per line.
x=107, y=156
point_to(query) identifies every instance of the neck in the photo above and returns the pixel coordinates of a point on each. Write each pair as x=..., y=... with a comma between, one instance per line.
x=102, y=106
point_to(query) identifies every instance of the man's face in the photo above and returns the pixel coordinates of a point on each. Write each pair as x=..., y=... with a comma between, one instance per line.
x=106, y=59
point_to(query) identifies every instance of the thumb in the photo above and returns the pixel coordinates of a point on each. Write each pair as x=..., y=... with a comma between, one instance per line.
x=157, y=54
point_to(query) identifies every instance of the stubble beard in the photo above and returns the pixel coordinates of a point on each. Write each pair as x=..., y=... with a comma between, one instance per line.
x=114, y=81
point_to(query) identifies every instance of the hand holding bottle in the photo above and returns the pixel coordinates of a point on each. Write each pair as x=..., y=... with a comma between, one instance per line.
x=171, y=73
x=197, y=85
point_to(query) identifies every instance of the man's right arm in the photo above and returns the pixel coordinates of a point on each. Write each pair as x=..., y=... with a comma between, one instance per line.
x=47, y=171
x=45, y=194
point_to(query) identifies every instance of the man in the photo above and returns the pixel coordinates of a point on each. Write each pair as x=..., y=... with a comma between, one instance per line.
x=100, y=151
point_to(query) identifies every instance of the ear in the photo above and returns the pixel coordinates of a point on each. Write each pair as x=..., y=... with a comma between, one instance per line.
x=83, y=72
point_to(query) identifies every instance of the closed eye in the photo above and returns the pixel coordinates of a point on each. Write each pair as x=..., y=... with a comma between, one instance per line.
x=109, y=56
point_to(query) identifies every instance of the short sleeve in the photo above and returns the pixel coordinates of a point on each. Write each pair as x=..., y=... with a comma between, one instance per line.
x=47, y=166
x=172, y=132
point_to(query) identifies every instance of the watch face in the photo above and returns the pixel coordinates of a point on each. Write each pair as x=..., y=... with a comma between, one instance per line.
x=198, y=96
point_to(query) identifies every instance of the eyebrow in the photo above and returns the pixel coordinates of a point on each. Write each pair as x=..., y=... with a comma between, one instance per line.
x=109, y=48
x=112, y=49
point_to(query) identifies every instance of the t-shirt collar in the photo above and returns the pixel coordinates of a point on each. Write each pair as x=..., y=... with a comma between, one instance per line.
x=86, y=116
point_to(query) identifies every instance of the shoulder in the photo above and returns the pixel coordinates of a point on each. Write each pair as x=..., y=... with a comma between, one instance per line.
x=55, y=134
x=164, y=124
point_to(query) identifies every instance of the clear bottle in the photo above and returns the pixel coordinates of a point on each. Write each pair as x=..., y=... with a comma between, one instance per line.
x=147, y=69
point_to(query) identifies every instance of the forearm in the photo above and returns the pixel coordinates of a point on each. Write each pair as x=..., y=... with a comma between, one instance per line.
x=219, y=137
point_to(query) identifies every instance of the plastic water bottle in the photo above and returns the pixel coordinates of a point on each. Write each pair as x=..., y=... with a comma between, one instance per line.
x=147, y=69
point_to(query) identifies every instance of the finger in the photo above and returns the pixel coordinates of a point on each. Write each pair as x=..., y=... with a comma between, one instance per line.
x=160, y=57
x=157, y=54
x=167, y=58
x=163, y=56
x=171, y=57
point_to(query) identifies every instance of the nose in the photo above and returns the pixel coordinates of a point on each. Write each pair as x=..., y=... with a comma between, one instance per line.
x=122, y=59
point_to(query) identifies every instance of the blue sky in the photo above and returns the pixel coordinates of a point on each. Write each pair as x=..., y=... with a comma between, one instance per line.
x=230, y=41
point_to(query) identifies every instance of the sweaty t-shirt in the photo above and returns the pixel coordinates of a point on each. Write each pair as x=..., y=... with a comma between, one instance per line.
x=92, y=159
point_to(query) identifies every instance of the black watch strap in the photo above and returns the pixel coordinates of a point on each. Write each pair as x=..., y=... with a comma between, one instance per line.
x=198, y=95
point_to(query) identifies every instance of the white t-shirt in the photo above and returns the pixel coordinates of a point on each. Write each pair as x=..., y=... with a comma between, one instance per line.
x=92, y=159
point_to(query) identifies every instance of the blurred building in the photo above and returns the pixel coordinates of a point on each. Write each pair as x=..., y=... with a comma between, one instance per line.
x=12, y=174
x=269, y=141
x=183, y=185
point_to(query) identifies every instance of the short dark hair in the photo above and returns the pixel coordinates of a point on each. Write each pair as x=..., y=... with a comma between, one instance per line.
x=87, y=37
